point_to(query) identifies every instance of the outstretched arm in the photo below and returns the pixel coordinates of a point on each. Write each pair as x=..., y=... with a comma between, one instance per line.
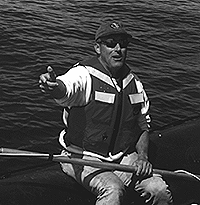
x=73, y=88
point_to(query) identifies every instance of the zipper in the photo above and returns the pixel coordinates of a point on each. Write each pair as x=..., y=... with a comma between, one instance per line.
x=116, y=126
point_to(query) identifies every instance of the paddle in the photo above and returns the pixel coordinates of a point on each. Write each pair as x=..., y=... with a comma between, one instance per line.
x=6, y=152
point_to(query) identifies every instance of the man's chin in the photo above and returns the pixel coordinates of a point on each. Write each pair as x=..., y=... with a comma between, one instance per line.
x=117, y=64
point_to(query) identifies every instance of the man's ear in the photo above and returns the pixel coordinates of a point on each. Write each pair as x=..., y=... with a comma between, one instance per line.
x=97, y=48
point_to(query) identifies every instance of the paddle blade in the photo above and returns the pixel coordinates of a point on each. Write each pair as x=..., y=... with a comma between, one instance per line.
x=14, y=151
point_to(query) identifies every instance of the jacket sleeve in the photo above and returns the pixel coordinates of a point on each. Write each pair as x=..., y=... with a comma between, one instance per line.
x=77, y=82
x=143, y=117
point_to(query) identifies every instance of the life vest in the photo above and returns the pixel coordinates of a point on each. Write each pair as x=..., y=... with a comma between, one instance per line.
x=109, y=122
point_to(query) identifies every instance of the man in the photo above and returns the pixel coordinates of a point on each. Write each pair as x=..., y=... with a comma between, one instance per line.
x=106, y=119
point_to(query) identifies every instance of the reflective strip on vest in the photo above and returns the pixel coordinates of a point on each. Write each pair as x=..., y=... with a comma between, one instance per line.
x=127, y=80
x=136, y=98
x=105, y=97
x=98, y=74
x=145, y=104
x=102, y=76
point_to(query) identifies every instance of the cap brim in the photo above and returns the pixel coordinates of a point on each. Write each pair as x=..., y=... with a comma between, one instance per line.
x=127, y=35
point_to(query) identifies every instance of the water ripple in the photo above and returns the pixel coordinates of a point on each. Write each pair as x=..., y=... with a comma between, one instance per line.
x=35, y=34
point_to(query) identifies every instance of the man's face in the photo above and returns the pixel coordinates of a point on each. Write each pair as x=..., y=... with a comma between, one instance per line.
x=112, y=52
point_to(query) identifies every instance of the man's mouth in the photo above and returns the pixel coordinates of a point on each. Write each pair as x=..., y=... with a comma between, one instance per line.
x=117, y=57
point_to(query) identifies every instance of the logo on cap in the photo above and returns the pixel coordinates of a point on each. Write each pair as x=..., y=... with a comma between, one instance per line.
x=114, y=25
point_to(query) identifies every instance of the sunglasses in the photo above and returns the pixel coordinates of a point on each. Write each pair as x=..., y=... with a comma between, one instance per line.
x=111, y=43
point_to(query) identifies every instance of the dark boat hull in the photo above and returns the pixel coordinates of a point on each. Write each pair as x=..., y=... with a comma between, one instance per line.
x=49, y=185
x=171, y=149
x=178, y=148
x=42, y=185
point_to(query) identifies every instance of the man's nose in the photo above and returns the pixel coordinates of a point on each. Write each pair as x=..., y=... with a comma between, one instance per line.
x=118, y=47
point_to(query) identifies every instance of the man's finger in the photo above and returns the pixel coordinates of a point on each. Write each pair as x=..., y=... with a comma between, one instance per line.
x=51, y=73
x=43, y=78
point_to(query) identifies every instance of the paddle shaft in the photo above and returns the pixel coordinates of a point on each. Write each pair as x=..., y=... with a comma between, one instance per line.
x=6, y=152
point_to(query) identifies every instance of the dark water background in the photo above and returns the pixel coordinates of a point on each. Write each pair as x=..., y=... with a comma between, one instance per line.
x=37, y=33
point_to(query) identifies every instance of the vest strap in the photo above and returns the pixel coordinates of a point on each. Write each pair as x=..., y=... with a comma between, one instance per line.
x=77, y=150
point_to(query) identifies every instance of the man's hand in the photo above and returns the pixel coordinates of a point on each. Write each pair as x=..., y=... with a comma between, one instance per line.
x=47, y=81
x=144, y=167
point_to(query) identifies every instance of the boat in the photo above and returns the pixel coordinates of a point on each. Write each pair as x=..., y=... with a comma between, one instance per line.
x=42, y=181
x=45, y=184
x=177, y=148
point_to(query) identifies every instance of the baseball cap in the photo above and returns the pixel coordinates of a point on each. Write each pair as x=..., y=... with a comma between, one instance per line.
x=111, y=28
